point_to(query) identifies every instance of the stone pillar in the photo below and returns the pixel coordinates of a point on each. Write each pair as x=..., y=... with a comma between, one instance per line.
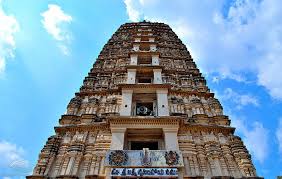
x=131, y=76
x=65, y=165
x=117, y=138
x=157, y=76
x=217, y=167
x=102, y=168
x=162, y=102
x=48, y=167
x=86, y=165
x=223, y=165
x=92, y=165
x=137, y=40
x=171, y=141
x=151, y=39
x=97, y=166
x=108, y=173
x=153, y=47
x=58, y=164
x=186, y=166
x=126, y=103
x=136, y=47
x=133, y=59
x=70, y=165
x=196, y=164
x=76, y=164
x=155, y=60
x=193, y=165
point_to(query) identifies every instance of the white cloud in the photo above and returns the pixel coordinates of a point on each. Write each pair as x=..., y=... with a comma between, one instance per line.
x=246, y=37
x=54, y=21
x=255, y=137
x=64, y=49
x=270, y=72
x=8, y=27
x=12, y=156
x=279, y=135
x=13, y=163
x=240, y=100
x=131, y=8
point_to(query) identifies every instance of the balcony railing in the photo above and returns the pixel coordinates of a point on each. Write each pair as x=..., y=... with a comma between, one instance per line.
x=144, y=158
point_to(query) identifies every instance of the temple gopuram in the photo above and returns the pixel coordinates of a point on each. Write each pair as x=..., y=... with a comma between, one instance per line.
x=144, y=111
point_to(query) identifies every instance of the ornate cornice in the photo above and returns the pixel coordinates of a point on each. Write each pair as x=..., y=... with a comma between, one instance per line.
x=207, y=128
x=144, y=53
x=103, y=92
x=151, y=86
x=189, y=93
x=144, y=122
x=144, y=67
x=82, y=127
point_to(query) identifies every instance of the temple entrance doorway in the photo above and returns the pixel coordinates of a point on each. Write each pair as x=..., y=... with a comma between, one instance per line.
x=139, y=139
x=140, y=145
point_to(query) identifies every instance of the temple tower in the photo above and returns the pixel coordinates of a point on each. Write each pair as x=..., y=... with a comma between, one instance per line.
x=144, y=110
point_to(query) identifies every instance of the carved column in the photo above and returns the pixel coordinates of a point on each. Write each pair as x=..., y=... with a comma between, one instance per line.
x=192, y=165
x=76, y=164
x=58, y=164
x=157, y=76
x=187, y=165
x=117, y=142
x=93, y=165
x=162, y=103
x=102, y=168
x=86, y=165
x=65, y=165
x=133, y=59
x=126, y=103
x=196, y=165
x=131, y=76
x=155, y=59
x=97, y=166
x=70, y=165
x=171, y=140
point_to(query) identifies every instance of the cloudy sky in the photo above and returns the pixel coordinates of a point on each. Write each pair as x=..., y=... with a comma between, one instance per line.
x=48, y=47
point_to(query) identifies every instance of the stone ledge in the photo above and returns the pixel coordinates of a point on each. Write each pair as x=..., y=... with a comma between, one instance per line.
x=36, y=177
x=142, y=86
x=194, y=177
x=222, y=177
x=91, y=177
x=95, y=177
x=67, y=177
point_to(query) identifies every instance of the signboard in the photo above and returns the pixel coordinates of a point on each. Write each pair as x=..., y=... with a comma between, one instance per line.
x=144, y=172
x=144, y=158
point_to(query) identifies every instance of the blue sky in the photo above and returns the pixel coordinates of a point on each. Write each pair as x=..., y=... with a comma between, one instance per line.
x=48, y=47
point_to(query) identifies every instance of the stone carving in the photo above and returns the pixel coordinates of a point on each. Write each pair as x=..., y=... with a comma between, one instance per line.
x=93, y=100
x=67, y=138
x=146, y=158
x=79, y=137
x=118, y=158
x=112, y=100
x=92, y=137
x=144, y=111
x=172, y=158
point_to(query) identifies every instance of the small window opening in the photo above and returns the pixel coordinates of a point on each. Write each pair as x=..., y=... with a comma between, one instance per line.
x=139, y=145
